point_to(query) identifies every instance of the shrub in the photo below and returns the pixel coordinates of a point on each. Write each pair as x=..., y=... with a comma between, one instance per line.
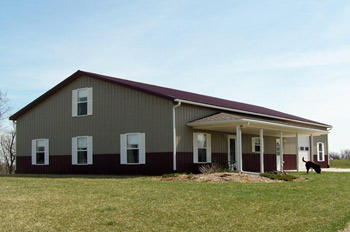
x=190, y=176
x=279, y=176
x=207, y=169
x=170, y=175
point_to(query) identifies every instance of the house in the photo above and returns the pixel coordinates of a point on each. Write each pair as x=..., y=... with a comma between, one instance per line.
x=95, y=124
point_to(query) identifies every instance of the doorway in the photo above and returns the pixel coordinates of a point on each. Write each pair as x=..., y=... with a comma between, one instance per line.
x=231, y=150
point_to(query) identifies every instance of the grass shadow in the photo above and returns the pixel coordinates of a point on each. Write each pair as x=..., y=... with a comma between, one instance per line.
x=62, y=176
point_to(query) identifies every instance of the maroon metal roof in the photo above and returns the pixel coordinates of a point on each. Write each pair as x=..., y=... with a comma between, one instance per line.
x=170, y=94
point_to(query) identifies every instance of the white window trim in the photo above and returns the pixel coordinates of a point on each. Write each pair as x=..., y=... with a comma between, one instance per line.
x=75, y=102
x=253, y=144
x=195, y=148
x=318, y=151
x=141, y=147
x=46, y=152
x=90, y=153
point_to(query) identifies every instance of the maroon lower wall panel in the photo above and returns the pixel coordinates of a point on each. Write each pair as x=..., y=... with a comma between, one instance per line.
x=184, y=161
x=270, y=162
x=323, y=164
x=251, y=162
x=156, y=164
x=289, y=162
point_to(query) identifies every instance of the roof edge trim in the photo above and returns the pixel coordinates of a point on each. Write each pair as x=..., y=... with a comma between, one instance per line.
x=251, y=113
x=243, y=120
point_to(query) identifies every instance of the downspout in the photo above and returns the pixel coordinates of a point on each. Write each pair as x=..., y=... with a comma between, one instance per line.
x=15, y=123
x=174, y=135
x=328, y=164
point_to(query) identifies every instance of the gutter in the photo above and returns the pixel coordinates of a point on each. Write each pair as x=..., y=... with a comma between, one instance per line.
x=249, y=121
x=174, y=135
x=251, y=113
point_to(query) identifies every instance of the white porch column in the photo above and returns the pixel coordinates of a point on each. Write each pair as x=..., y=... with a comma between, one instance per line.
x=297, y=147
x=311, y=148
x=238, y=148
x=261, y=150
x=281, y=150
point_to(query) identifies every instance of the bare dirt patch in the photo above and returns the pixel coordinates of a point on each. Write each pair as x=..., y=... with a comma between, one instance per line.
x=223, y=177
x=347, y=229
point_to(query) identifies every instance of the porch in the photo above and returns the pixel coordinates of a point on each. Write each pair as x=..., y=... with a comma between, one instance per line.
x=294, y=136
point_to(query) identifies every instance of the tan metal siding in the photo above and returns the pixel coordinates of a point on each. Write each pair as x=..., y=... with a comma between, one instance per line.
x=323, y=139
x=269, y=144
x=116, y=110
x=186, y=113
x=289, y=145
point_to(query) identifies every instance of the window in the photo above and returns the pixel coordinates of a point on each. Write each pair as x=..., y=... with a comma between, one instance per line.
x=132, y=148
x=201, y=148
x=82, y=150
x=255, y=144
x=40, y=152
x=320, y=151
x=82, y=102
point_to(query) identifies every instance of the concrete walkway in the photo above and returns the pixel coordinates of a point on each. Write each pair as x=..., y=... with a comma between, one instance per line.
x=335, y=169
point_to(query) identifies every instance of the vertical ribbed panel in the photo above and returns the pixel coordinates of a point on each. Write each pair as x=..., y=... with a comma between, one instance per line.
x=116, y=110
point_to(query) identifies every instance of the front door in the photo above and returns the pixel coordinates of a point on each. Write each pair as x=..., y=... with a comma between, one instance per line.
x=304, y=151
x=232, y=152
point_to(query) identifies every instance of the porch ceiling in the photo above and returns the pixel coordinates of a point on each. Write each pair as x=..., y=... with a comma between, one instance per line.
x=228, y=122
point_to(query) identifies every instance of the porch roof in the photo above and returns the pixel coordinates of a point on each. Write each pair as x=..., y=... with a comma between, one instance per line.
x=250, y=125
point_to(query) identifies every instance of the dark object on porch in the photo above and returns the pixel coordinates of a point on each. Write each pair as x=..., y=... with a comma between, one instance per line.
x=309, y=164
x=228, y=166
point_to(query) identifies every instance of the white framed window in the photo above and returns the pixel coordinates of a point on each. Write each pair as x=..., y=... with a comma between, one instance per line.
x=82, y=102
x=320, y=151
x=201, y=148
x=256, y=144
x=40, y=152
x=132, y=148
x=82, y=150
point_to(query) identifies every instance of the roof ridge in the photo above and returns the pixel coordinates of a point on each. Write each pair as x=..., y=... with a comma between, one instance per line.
x=171, y=94
x=241, y=104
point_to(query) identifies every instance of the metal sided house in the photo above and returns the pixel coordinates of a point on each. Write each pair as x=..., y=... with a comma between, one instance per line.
x=95, y=124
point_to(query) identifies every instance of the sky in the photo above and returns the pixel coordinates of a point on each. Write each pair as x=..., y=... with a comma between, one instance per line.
x=292, y=56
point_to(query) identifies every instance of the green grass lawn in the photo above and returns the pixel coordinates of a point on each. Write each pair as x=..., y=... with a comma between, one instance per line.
x=141, y=204
x=340, y=163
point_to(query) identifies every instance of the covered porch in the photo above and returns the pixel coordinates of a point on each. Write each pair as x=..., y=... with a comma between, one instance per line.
x=236, y=126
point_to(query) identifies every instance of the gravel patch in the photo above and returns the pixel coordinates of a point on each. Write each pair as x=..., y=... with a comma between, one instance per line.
x=224, y=177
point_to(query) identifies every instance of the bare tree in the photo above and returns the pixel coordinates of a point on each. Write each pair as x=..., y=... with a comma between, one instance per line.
x=4, y=107
x=8, y=149
x=345, y=154
x=334, y=155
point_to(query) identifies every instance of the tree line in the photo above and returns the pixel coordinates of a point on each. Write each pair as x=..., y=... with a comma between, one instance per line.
x=343, y=154
x=7, y=139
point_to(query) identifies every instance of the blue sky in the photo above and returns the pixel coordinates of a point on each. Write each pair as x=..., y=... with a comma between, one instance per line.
x=292, y=56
